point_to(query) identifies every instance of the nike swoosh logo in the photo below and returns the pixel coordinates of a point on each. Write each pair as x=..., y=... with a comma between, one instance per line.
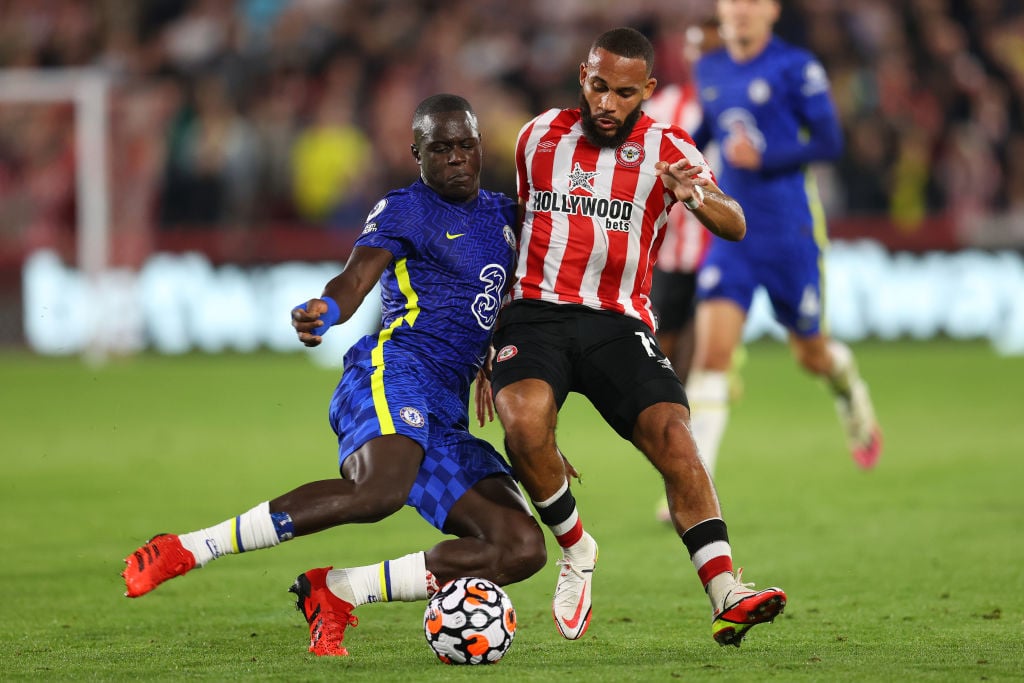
x=572, y=623
x=451, y=236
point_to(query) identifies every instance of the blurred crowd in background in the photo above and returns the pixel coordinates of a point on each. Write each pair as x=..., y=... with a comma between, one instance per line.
x=297, y=112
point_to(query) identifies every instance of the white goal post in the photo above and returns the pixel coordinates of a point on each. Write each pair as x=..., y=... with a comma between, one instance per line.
x=88, y=90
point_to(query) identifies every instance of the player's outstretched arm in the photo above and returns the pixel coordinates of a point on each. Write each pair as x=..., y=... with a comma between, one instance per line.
x=345, y=291
x=720, y=213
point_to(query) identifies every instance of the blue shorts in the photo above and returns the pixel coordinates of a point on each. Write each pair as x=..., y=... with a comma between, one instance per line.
x=402, y=400
x=791, y=273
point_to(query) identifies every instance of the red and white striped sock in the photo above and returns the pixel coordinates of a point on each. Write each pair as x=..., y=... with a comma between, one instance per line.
x=711, y=554
x=559, y=513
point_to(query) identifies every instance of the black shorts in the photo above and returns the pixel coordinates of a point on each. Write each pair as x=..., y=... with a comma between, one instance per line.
x=610, y=358
x=674, y=296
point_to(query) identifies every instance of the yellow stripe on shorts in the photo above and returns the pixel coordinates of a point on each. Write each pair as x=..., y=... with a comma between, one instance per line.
x=412, y=310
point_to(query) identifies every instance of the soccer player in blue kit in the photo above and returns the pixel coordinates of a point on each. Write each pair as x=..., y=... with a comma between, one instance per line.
x=442, y=249
x=767, y=104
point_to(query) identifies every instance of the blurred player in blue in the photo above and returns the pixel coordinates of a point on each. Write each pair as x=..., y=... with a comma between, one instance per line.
x=442, y=250
x=767, y=105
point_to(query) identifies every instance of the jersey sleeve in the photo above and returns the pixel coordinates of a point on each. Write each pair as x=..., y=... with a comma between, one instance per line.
x=677, y=144
x=522, y=179
x=702, y=134
x=821, y=136
x=385, y=228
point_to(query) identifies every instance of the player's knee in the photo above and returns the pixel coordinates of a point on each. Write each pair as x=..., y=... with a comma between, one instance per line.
x=661, y=430
x=672, y=451
x=813, y=359
x=715, y=358
x=528, y=417
x=523, y=553
x=523, y=436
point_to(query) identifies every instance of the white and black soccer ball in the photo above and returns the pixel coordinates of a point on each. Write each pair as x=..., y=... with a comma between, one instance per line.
x=470, y=621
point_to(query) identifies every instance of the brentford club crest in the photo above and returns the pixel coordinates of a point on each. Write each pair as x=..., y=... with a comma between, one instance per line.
x=629, y=154
x=506, y=352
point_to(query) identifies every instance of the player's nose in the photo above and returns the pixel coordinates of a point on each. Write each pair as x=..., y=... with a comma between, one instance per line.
x=609, y=105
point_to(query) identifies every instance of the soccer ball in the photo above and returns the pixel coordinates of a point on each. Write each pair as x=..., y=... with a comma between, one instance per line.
x=470, y=621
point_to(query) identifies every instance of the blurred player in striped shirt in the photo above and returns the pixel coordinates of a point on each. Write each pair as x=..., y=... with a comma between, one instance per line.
x=674, y=290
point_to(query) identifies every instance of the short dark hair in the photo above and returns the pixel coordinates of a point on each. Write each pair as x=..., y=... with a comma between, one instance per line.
x=626, y=42
x=437, y=104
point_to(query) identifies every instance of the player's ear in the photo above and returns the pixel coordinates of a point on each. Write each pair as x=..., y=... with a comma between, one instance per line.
x=583, y=72
x=652, y=83
x=415, y=152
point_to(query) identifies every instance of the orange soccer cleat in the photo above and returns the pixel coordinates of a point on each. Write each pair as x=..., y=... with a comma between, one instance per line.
x=327, y=615
x=162, y=558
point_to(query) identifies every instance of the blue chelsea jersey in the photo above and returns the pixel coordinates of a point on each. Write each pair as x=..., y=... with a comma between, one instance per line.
x=781, y=100
x=441, y=293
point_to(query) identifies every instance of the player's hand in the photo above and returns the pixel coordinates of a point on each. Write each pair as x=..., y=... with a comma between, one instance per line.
x=306, y=319
x=740, y=151
x=484, y=397
x=484, y=400
x=680, y=178
x=570, y=471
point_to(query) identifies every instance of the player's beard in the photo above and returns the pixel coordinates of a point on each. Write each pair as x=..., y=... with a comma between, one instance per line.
x=594, y=135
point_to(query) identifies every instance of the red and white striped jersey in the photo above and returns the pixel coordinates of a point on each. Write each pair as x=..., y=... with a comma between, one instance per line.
x=686, y=239
x=594, y=216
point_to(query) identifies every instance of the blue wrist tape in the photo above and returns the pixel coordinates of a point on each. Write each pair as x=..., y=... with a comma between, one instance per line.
x=283, y=525
x=332, y=316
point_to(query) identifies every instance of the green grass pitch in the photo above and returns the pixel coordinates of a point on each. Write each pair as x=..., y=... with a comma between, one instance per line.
x=914, y=571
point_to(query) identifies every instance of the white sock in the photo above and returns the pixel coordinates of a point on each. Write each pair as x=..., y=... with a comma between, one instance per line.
x=844, y=370
x=719, y=587
x=248, y=531
x=708, y=393
x=403, y=580
x=582, y=551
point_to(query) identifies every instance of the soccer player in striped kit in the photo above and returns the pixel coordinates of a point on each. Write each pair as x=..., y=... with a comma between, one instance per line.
x=442, y=249
x=767, y=105
x=595, y=185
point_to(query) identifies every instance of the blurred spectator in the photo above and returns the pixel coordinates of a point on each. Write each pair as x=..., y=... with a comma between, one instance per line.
x=259, y=111
x=866, y=167
x=331, y=158
x=211, y=169
x=37, y=173
x=277, y=115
